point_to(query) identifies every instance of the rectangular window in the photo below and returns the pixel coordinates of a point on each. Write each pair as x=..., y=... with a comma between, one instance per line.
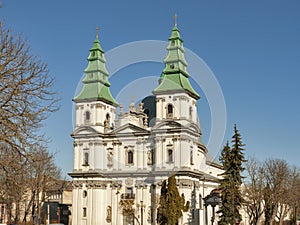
x=85, y=159
x=170, y=155
x=130, y=157
x=84, y=212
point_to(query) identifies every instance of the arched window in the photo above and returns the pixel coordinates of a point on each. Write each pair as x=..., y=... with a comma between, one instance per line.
x=170, y=155
x=169, y=111
x=87, y=116
x=86, y=159
x=130, y=157
x=107, y=121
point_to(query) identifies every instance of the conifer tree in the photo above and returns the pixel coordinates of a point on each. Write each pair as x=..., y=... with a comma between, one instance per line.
x=171, y=203
x=232, y=160
x=226, y=208
x=162, y=209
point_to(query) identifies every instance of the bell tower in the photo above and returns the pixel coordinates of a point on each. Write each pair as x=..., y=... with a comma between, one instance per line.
x=95, y=106
x=175, y=97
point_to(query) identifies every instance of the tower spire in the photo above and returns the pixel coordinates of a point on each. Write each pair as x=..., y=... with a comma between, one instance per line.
x=95, y=83
x=175, y=76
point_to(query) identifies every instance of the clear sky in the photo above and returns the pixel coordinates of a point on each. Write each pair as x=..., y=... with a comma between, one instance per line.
x=252, y=47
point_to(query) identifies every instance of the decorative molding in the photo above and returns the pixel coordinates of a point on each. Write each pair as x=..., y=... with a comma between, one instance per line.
x=129, y=181
x=116, y=184
x=78, y=183
x=96, y=184
x=99, y=105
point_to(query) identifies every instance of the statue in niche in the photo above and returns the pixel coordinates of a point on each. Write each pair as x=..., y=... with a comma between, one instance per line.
x=149, y=157
x=108, y=213
x=106, y=123
x=110, y=158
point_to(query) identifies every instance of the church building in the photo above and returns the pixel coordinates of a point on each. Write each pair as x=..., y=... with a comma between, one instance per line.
x=121, y=160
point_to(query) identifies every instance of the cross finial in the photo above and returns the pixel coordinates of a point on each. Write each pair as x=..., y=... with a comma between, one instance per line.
x=175, y=19
x=97, y=30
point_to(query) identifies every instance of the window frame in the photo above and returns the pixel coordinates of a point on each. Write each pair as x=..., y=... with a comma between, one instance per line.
x=84, y=212
x=170, y=155
x=170, y=111
x=130, y=157
x=87, y=116
x=85, y=160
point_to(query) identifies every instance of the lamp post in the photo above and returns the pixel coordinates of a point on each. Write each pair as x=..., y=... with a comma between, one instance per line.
x=141, y=212
x=213, y=200
x=117, y=193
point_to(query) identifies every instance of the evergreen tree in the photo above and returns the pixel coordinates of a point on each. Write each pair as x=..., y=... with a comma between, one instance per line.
x=162, y=209
x=236, y=169
x=225, y=156
x=171, y=203
x=232, y=160
x=226, y=209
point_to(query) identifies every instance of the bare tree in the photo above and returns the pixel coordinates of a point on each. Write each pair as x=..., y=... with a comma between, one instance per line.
x=293, y=197
x=26, y=93
x=24, y=182
x=277, y=174
x=254, y=191
x=42, y=173
x=26, y=100
x=128, y=209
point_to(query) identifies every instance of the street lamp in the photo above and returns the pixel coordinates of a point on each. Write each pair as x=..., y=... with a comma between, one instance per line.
x=141, y=212
x=213, y=199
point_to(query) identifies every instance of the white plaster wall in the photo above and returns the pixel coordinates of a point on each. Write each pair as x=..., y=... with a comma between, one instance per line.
x=181, y=102
x=98, y=111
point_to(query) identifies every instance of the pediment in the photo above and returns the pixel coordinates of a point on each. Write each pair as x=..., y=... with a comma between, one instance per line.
x=130, y=129
x=166, y=125
x=84, y=130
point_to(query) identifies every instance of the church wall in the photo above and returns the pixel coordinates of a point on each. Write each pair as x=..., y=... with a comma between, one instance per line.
x=98, y=115
x=184, y=107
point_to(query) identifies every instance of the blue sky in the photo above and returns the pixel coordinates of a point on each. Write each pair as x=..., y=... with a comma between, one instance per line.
x=252, y=47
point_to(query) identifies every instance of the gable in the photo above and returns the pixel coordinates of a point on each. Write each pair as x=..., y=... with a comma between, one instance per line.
x=168, y=125
x=130, y=129
x=84, y=130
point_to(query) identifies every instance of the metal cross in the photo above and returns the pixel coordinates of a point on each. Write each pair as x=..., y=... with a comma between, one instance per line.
x=175, y=19
x=97, y=30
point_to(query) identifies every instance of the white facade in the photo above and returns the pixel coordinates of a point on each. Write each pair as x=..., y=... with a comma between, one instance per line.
x=131, y=160
x=122, y=158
